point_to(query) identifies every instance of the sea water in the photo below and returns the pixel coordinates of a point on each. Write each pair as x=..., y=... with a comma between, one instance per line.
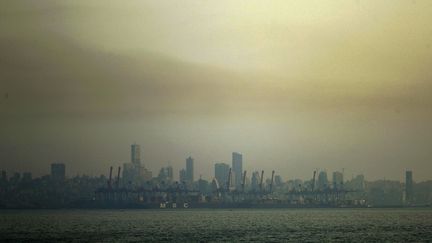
x=217, y=225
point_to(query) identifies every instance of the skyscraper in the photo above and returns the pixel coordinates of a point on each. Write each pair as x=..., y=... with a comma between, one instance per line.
x=169, y=172
x=221, y=173
x=322, y=180
x=337, y=180
x=409, y=192
x=135, y=154
x=182, y=175
x=237, y=167
x=135, y=172
x=58, y=171
x=189, y=169
x=166, y=173
x=129, y=173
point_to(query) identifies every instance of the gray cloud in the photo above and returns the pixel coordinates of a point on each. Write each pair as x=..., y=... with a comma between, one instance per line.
x=350, y=99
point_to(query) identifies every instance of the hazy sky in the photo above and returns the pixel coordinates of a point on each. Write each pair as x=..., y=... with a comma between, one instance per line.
x=293, y=85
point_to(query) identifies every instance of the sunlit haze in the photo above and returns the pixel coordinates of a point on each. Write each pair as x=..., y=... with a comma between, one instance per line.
x=294, y=86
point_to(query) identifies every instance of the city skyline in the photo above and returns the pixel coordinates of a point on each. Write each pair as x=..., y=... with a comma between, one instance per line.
x=138, y=187
x=216, y=121
x=186, y=173
x=293, y=86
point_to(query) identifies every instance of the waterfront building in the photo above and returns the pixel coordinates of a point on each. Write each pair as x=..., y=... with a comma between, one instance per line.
x=322, y=180
x=135, y=154
x=190, y=169
x=409, y=192
x=237, y=169
x=337, y=180
x=182, y=175
x=221, y=173
x=166, y=174
x=135, y=172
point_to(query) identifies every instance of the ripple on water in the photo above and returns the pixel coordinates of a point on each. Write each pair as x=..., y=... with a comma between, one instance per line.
x=218, y=225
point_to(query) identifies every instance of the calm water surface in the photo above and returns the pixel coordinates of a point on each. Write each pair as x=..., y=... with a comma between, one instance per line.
x=367, y=225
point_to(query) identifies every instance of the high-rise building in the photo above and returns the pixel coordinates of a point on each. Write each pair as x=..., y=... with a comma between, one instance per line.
x=337, y=180
x=409, y=192
x=58, y=171
x=166, y=174
x=145, y=174
x=203, y=186
x=182, y=175
x=129, y=173
x=190, y=169
x=221, y=173
x=135, y=154
x=135, y=172
x=237, y=168
x=322, y=180
x=169, y=172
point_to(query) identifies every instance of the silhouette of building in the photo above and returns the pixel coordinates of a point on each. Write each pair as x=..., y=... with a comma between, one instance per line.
x=135, y=172
x=322, y=180
x=221, y=173
x=356, y=183
x=337, y=180
x=237, y=168
x=203, y=186
x=135, y=154
x=169, y=173
x=129, y=172
x=166, y=174
x=145, y=174
x=182, y=176
x=58, y=171
x=409, y=192
x=190, y=169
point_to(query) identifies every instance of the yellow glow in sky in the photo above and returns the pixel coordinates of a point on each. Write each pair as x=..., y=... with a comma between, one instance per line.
x=291, y=84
